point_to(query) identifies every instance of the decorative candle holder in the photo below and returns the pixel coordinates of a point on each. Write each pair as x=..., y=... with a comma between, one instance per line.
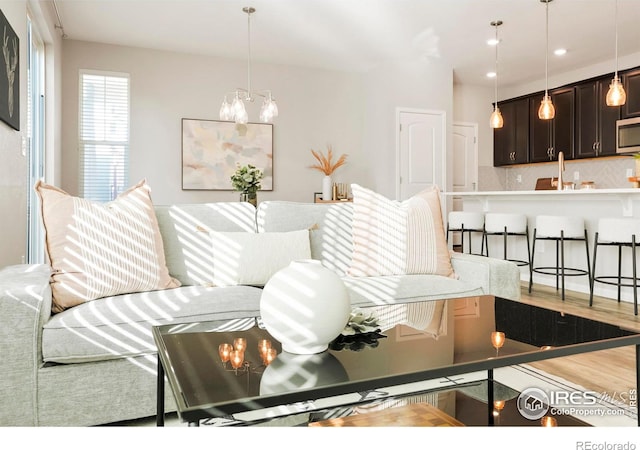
x=236, y=357
x=240, y=344
x=497, y=340
x=263, y=346
x=548, y=421
x=224, y=350
x=269, y=355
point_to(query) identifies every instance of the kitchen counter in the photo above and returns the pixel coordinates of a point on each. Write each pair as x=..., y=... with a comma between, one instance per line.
x=625, y=198
x=590, y=204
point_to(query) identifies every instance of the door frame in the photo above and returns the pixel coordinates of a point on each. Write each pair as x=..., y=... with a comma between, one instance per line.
x=443, y=115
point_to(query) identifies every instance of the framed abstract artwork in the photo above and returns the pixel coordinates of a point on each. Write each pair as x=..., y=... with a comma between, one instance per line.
x=212, y=150
x=9, y=75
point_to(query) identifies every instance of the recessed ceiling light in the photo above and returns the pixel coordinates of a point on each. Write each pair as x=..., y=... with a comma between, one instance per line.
x=560, y=51
x=493, y=41
x=491, y=74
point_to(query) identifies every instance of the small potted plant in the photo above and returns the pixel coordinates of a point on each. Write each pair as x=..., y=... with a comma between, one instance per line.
x=246, y=180
x=327, y=166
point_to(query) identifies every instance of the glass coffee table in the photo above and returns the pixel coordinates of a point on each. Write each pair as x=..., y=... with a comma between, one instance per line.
x=421, y=347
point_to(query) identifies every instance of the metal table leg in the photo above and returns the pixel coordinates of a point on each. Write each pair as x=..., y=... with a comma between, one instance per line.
x=160, y=395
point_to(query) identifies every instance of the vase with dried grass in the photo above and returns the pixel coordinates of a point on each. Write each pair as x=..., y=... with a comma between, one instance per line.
x=327, y=166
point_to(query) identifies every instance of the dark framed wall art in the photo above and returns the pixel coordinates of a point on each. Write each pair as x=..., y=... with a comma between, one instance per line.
x=9, y=75
x=212, y=150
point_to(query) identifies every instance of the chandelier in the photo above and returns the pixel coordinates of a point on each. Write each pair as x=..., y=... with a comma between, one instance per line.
x=236, y=110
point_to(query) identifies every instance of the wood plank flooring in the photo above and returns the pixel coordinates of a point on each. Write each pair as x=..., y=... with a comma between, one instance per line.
x=606, y=371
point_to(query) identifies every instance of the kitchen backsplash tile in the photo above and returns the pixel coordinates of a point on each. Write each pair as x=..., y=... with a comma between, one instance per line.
x=609, y=173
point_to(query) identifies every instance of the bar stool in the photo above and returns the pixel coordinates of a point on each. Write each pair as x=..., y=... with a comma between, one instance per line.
x=466, y=222
x=559, y=229
x=507, y=224
x=618, y=232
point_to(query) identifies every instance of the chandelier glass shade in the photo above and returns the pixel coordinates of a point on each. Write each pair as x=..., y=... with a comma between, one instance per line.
x=496, y=120
x=546, y=111
x=616, y=96
x=236, y=110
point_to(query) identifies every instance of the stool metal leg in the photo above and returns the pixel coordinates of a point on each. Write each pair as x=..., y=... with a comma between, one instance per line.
x=562, y=259
x=557, y=264
x=619, y=270
x=593, y=272
x=586, y=246
x=462, y=240
x=533, y=254
x=528, y=247
x=505, y=243
x=635, y=276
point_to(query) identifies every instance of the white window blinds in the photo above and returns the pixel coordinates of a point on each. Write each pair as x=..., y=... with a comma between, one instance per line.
x=104, y=135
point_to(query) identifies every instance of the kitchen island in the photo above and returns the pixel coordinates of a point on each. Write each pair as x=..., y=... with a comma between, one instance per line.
x=590, y=204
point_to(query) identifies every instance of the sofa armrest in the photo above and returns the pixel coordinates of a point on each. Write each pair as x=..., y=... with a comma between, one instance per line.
x=25, y=305
x=497, y=277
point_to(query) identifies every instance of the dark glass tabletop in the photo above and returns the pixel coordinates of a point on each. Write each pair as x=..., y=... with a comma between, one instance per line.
x=415, y=342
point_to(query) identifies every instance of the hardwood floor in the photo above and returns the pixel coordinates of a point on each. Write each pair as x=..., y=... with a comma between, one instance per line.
x=606, y=371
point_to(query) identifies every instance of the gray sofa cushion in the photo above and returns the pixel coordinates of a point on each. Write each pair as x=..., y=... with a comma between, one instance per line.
x=120, y=327
x=330, y=225
x=187, y=246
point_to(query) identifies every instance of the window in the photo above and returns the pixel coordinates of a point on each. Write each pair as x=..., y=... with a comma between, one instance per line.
x=104, y=134
x=34, y=140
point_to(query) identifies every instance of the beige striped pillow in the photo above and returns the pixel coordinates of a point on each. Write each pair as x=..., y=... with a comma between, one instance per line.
x=98, y=250
x=398, y=238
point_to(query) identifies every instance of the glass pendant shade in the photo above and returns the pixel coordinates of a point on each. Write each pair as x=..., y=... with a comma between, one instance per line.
x=546, y=111
x=496, y=120
x=616, y=96
x=225, y=110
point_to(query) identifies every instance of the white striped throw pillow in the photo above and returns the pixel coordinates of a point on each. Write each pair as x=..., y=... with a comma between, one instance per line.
x=398, y=238
x=102, y=249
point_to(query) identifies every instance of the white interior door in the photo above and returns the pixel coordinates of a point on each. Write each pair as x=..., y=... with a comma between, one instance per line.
x=465, y=160
x=420, y=152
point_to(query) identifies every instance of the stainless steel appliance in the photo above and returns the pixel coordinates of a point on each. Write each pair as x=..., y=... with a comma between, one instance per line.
x=628, y=135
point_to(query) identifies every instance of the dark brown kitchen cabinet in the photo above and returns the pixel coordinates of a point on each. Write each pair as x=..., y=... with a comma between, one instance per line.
x=595, y=121
x=548, y=137
x=631, y=80
x=540, y=146
x=511, y=142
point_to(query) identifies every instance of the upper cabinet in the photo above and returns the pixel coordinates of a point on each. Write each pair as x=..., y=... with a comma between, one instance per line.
x=595, y=121
x=548, y=137
x=583, y=127
x=631, y=80
x=511, y=142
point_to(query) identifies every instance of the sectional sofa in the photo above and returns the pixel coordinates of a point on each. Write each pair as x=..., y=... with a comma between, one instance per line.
x=95, y=363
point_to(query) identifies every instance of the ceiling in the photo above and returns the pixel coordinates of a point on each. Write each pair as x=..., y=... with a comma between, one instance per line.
x=356, y=35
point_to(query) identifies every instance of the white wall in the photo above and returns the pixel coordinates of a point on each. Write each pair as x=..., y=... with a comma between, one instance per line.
x=13, y=166
x=419, y=85
x=13, y=161
x=355, y=113
x=317, y=108
x=474, y=104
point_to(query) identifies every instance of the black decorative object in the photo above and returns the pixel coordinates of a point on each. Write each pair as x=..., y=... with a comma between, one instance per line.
x=9, y=75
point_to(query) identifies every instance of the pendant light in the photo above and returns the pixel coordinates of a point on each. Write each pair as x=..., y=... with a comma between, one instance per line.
x=235, y=110
x=616, y=96
x=496, y=120
x=546, y=111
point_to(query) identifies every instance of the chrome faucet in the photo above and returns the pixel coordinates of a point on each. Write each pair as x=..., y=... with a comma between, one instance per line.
x=560, y=170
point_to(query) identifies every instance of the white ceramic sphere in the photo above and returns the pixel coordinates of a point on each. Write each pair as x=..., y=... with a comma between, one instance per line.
x=305, y=306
